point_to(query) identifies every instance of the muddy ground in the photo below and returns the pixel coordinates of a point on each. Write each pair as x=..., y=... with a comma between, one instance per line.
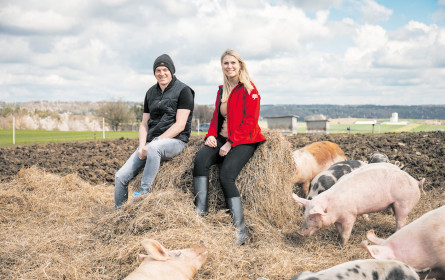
x=422, y=154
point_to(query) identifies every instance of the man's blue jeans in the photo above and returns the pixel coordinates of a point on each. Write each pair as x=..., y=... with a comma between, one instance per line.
x=158, y=150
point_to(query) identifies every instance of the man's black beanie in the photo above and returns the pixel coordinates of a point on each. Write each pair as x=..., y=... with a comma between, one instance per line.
x=164, y=60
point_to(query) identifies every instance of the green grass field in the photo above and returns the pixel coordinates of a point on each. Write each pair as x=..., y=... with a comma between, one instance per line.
x=28, y=137
x=412, y=126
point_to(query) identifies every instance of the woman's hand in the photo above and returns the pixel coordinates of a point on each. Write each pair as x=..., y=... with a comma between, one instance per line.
x=211, y=142
x=225, y=149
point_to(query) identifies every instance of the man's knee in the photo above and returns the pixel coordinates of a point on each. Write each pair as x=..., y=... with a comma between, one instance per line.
x=123, y=178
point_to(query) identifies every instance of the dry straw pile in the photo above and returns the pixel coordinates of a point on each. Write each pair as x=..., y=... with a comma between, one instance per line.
x=55, y=227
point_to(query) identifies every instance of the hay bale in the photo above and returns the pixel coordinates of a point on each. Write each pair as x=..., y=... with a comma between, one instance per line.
x=265, y=183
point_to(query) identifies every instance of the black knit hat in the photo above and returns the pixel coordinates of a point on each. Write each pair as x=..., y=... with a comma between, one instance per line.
x=164, y=60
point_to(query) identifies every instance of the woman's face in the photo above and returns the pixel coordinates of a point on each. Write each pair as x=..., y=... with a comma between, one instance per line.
x=231, y=66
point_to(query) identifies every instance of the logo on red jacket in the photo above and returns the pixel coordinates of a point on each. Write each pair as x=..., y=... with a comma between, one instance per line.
x=255, y=96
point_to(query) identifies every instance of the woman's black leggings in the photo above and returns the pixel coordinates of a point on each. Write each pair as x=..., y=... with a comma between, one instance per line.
x=232, y=164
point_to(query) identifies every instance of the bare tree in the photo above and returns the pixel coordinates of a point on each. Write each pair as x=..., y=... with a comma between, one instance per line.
x=203, y=113
x=116, y=114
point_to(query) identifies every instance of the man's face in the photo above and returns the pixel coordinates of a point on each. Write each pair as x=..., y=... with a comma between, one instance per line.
x=163, y=76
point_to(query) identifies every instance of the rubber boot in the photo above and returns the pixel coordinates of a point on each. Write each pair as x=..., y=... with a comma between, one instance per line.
x=235, y=206
x=200, y=191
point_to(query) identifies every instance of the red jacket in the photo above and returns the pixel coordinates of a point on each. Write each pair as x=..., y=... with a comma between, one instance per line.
x=243, y=111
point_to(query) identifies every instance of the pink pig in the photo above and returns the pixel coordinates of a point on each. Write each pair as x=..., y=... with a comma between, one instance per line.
x=369, y=189
x=162, y=264
x=421, y=244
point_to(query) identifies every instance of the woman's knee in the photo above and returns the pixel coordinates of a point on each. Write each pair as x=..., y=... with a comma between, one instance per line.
x=202, y=163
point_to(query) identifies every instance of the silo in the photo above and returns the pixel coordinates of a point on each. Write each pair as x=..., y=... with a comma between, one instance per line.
x=394, y=118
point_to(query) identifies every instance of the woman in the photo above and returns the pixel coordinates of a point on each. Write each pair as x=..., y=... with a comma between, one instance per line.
x=233, y=137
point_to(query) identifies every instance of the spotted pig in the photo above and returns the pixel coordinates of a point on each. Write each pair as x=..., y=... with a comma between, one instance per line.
x=378, y=157
x=327, y=178
x=314, y=158
x=363, y=270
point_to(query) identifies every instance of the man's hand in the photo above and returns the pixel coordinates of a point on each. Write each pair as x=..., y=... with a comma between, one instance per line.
x=225, y=149
x=211, y=142
x=142, y=152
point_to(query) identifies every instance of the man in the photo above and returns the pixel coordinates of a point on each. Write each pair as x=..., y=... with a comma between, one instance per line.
x=164, y=130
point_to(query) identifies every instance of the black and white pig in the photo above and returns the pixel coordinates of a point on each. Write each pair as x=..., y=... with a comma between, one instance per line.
x=378, y=157
x=363, y=270
x=327, y=178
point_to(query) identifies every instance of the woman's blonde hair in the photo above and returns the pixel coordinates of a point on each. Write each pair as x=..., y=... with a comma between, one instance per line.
x=243, y=75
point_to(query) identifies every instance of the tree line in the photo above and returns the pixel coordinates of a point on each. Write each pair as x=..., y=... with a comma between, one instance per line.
x=118, y=115
x=426, y=112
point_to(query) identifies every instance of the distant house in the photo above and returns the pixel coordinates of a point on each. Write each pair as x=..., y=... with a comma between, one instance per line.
x=317, y=124
x=285, y=124
x=373, y=122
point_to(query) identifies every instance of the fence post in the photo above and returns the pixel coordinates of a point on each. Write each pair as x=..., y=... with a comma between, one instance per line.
x=103, y=128
x=13, y=130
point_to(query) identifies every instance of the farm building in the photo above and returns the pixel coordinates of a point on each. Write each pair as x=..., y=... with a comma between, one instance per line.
x=285, y=124
x=317, y=124
x=394, y=119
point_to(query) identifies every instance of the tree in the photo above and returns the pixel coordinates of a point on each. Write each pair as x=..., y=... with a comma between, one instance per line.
x=203, y=113
x=115, y=114
x=138, y=111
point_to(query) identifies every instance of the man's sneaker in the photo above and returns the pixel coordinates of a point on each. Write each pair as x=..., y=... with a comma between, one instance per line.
x=139, y=193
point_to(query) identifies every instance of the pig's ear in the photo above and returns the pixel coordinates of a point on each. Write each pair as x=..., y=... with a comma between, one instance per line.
x=318, y=209
x=155, y=250
x=142, y=257
x=373, y=238
x=300, y=200
x=379, y=252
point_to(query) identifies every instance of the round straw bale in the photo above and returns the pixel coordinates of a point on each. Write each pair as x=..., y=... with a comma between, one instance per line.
x=265, y=182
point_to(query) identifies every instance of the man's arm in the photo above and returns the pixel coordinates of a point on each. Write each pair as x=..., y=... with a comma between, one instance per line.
x=143, y=132
x=181, y=120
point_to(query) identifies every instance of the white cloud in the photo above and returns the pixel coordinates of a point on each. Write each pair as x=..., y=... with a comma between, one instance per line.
x=35, y=21
x=295, y=52
x=372, y=12
x=316, y=5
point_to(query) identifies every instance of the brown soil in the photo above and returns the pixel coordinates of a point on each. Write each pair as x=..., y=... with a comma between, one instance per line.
x=96, y=162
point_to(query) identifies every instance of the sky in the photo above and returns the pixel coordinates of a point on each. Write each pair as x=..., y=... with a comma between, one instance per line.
x=345, y=52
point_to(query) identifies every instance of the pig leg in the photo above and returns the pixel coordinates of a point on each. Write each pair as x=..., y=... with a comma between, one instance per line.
x=345, y=228
x=305, y=188
x=401, y=213
x=373, y=238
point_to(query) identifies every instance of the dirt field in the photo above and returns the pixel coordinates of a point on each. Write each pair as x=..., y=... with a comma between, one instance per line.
x=96, y=162
x=57, y=220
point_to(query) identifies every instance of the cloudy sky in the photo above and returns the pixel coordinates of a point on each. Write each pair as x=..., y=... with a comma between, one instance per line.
x=297, y=52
